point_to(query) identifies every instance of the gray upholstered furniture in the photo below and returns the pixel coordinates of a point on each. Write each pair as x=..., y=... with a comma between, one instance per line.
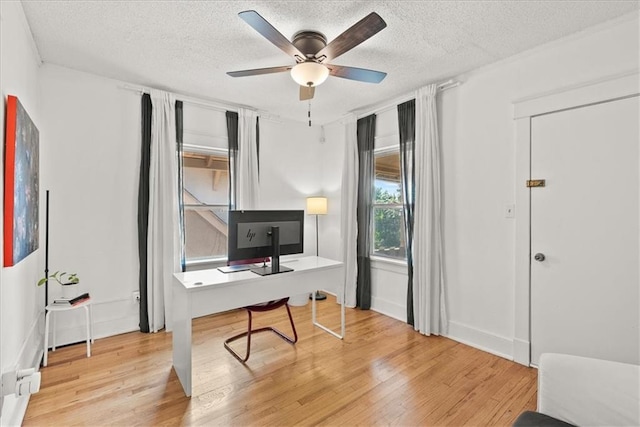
x=585, y=392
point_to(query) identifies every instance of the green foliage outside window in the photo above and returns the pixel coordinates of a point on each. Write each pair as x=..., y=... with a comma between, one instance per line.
x=388, y=222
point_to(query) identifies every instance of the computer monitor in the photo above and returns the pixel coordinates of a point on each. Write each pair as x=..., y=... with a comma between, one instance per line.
x=262, y=234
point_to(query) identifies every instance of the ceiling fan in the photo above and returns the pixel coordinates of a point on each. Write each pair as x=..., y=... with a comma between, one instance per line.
x=312, y=54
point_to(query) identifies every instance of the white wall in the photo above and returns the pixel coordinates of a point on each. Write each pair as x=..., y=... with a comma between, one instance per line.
x=478, y=134
x=290, y=169
x=331, y=157
x=478, y=140
x=21, y=302
x=90, y=161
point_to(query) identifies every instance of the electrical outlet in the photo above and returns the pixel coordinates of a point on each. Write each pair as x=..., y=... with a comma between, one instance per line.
x=136, y=296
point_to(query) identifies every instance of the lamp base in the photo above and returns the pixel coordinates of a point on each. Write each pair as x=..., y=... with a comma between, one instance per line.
x=319, y=296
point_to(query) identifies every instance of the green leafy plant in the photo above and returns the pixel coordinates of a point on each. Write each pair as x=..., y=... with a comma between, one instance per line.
x=62, y=278
x=388, y=222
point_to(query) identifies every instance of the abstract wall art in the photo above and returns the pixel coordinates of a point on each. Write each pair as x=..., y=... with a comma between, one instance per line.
x=21, y=181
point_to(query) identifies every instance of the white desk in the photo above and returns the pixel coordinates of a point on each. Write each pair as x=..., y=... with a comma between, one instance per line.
x=217, y=292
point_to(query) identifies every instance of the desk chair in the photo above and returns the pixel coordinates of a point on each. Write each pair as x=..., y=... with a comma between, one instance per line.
x=257, y=308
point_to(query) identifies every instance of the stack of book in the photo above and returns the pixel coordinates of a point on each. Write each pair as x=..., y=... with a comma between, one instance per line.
x=72, y=301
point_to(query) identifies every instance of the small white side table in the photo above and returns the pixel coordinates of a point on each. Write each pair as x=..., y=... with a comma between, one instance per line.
x=53, y=308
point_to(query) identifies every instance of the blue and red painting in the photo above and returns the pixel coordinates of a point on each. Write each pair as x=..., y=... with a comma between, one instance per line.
x=21, y=181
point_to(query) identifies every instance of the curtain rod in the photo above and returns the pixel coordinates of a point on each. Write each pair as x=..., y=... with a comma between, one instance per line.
x=449, y=84
x=222, y=107
x=213, y=105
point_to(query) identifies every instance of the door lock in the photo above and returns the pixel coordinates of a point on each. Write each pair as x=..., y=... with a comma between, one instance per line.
x=539, y=257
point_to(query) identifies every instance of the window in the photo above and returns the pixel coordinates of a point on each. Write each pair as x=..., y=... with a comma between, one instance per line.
x=388, y=222
x=206, y=203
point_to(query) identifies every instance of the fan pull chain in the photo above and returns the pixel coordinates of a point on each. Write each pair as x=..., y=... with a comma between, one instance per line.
x=309, y=113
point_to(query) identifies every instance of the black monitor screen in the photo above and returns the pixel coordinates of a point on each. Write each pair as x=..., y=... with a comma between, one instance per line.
x=250, y=233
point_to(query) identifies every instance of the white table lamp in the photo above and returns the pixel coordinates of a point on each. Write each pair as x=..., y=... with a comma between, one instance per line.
x=317, y=206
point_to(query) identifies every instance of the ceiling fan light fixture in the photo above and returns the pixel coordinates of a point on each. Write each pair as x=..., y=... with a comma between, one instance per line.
x=309, y=73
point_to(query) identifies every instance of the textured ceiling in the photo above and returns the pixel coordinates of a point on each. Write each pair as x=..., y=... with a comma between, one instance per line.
x=188, y=46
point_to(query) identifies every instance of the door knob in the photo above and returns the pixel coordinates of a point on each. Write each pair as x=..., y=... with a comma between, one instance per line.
x=539, y=257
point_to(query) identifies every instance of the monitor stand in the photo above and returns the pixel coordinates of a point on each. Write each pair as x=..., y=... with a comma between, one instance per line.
x=267, y=270
x=275, y=267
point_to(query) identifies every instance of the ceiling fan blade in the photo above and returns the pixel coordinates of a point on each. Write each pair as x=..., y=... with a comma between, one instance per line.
x=353, y=73
x=267, y=30
x=356, y=34
x=307, y=92
x=259, y=71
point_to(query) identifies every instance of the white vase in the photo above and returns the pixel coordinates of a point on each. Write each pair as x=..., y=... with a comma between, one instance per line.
x=70, y=291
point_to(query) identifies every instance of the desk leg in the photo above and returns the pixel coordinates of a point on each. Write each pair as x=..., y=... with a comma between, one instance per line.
x=182, y=336
x=324, y=328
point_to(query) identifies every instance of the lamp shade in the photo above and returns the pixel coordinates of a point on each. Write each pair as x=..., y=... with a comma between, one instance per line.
x=309, y=73
x=316, y=205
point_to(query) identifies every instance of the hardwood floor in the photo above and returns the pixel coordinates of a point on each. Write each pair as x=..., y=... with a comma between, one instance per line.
x=383, y=373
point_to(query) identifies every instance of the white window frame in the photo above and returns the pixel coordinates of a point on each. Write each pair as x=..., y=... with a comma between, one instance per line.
x=200, y=149
x=379, y=152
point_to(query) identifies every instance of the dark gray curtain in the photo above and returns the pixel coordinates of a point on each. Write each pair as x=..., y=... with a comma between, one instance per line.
x=407, y=128
x=232, y=134
x=258, y=144
x=143, y=209
x=366, y=137
x=179, y=142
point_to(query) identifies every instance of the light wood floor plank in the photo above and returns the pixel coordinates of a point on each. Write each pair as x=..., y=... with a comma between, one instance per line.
x=383, y=373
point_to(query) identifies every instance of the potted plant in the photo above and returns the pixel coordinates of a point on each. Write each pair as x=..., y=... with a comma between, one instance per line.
x=68, y=281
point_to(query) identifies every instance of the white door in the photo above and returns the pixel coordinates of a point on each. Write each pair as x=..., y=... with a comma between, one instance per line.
x=585, y=294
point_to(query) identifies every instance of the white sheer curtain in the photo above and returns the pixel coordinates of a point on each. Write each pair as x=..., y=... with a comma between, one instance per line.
x=247, y=179
x=163, y=239
x=428, y=281
x=348, y=220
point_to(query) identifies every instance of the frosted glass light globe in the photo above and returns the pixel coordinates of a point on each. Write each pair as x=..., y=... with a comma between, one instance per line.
x=309, y=73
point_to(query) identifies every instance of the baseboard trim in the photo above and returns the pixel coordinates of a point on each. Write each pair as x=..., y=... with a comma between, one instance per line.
x=109, y=318
x=521, y=352
x=106, y=328
x=482, y=340
x=388, y=308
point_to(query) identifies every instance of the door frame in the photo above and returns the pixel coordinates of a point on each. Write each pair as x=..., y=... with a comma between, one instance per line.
x=608, y=89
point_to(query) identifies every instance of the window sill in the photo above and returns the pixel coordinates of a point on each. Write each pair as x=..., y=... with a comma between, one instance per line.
x=203, y=264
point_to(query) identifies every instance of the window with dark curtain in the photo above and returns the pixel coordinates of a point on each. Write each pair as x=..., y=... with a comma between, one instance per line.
x=232, y=135
x=143, y=209
x=366, y=129
x=407, y=130
x=258, y=144
x=179, y=147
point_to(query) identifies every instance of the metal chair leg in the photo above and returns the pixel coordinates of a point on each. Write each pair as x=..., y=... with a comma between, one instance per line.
x=250, y=331
x=236, y=337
